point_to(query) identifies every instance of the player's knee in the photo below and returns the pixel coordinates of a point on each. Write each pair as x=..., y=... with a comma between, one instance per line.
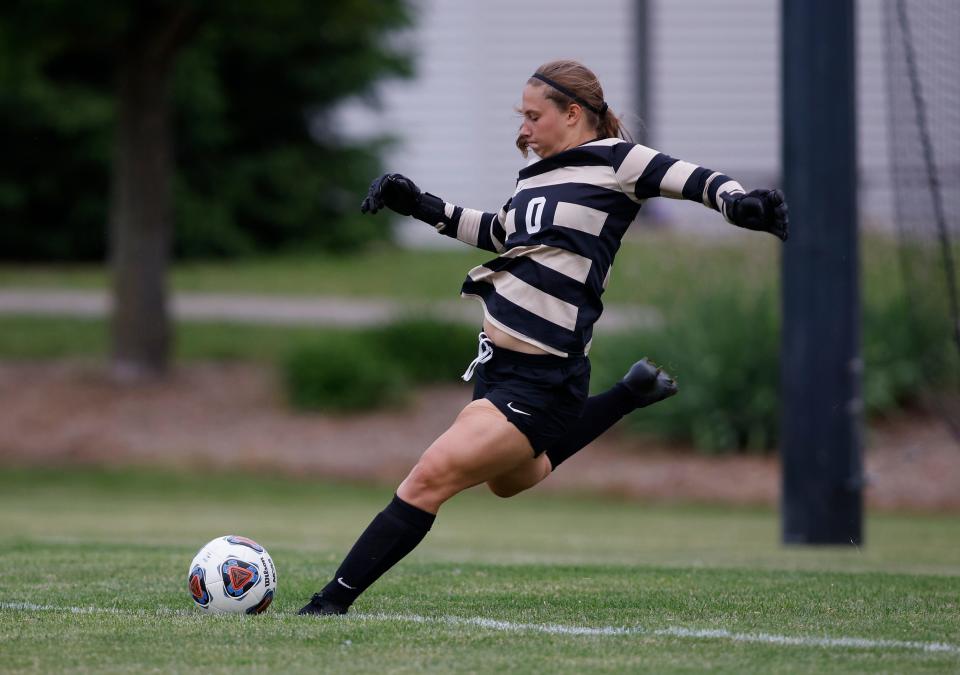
x=421, y=478
x=504, y=490
x=433, y=479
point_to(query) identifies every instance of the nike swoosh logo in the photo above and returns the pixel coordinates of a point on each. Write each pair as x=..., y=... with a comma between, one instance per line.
x=345, y=584
x=510, y=405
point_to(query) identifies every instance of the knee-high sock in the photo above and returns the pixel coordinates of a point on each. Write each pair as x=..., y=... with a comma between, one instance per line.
x=599, y=414
x=392, y=534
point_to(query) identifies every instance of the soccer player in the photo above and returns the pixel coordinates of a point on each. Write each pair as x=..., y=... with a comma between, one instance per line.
x=556, y=238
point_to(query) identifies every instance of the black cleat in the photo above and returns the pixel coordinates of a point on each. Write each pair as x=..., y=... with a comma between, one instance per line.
x=319, y=606
x=649, y=383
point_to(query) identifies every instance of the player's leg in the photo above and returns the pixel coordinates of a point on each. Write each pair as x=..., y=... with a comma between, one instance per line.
x=521, y=477
x=480, y=444
x=643, y=385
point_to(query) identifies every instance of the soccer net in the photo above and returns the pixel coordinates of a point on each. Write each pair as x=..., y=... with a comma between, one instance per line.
x=923, y=71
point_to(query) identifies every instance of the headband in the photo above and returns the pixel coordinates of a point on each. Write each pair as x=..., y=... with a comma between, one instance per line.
x=563, y=90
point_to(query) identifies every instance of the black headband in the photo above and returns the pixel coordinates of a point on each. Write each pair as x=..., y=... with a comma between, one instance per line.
x=563, y=90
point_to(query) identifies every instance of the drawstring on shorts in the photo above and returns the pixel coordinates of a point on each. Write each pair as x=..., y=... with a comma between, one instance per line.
x=484, y=354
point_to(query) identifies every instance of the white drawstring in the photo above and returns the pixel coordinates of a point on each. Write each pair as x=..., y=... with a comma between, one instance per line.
x=484, y=354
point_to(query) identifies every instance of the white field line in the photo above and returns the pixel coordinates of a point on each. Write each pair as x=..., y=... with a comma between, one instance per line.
x=556, y=629
x=676, y=631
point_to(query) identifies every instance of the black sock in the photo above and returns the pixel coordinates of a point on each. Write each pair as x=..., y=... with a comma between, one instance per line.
x=599, y=414
x=392, y=534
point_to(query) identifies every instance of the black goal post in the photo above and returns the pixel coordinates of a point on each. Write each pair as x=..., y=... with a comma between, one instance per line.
x=821, y=367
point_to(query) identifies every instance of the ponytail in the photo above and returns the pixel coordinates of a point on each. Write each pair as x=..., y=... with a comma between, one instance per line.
x=610, y=126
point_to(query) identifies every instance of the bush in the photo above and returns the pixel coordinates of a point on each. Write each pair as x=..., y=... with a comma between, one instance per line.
x=427, y=350
x=342, y=373
x=375, y=367
x=907, y=352
x=723, y=347
x=723, y=350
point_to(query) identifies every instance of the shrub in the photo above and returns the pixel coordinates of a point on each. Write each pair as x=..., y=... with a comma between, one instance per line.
x=427, y=350
x=343, y=373
x=723, y=350
x=723, y=347
x=907, y=352
x=368, y=368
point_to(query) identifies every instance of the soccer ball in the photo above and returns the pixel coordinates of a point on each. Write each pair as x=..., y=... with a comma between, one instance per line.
x=232, y=574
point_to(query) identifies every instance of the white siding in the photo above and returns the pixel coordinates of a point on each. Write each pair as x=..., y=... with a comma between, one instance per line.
x=457, y=121
x=714, y=94
x=876, y=198
x=716, y=98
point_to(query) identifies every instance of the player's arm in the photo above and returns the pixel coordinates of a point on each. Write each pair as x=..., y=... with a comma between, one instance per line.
x=399, y=193
x=644, y=173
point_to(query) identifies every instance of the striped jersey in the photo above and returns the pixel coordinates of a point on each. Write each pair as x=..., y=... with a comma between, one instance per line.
x=558, y=234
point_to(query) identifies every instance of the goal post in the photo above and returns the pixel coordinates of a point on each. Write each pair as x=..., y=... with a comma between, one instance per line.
x=822, y=473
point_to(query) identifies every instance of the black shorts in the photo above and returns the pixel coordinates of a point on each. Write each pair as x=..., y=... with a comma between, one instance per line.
x=541, y=394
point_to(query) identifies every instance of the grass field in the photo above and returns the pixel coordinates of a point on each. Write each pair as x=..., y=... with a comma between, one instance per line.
x=649, y=270
x=658, y=269
x=32, y=337
x=94, y=570
x=652, y=268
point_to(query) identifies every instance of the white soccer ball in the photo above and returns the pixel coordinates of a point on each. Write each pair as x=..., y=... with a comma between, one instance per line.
x=232, y=574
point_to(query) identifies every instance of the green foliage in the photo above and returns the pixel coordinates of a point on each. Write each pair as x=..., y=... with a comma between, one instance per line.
x=255, y=148
x=426, y=349
x=258, y=167
x=723, y=348
x=56, y=140
x=367, y=369
x=908, y=352
x=720, y=338
x=343, y=373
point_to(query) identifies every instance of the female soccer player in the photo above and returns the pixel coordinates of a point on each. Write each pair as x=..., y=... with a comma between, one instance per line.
x=556, y=238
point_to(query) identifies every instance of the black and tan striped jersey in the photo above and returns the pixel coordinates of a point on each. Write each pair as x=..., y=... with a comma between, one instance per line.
x=558, y=234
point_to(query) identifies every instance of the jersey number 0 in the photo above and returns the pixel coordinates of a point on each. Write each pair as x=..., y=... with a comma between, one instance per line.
x=534, y=214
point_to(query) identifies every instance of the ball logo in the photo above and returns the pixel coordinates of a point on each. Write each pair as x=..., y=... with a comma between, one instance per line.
x=198, y=586
x=244, y=541
x=263, y=604
x=239, y=577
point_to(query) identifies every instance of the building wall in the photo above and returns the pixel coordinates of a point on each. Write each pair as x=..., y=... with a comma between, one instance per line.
x=714, y=93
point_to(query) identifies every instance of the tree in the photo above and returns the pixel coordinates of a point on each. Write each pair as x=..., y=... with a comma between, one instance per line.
x=212, y=102
x=140, y=206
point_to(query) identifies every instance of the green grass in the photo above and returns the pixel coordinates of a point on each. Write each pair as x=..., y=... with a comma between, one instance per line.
x=383, y=271
x=650, y=269
x=118, y=544
x=659, y=269
x=29, y=337
x=664, y=270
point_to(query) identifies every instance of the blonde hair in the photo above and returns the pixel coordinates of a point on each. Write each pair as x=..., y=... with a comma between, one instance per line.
x=582, y=83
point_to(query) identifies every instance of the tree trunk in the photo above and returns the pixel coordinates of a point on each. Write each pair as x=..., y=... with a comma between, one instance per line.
x=140, y=204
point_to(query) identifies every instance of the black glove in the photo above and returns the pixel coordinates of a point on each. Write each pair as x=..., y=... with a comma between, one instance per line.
x=399, y=193
x=396, y=192
x=761, y=210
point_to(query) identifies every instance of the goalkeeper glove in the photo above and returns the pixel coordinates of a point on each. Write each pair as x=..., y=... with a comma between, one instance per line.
x=761, y=210
x=398, y=193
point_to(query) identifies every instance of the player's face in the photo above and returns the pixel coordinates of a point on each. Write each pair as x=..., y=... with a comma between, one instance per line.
x=545, y=126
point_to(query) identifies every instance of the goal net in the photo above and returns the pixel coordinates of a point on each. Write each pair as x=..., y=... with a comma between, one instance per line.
x=923, y=77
